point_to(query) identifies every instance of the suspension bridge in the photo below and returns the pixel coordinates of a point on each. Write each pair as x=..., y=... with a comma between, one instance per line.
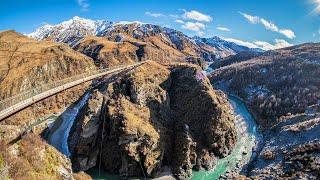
x=20, y=101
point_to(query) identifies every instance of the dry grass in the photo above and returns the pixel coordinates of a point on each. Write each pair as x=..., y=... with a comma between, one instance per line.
x=32, y=158
x=42, y=62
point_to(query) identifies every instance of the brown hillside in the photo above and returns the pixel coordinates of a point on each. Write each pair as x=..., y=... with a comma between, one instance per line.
x=26, y=63
x=129, y=43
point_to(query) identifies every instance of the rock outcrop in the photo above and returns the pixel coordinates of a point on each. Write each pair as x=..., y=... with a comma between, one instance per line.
x=32, y=158
x=153, y=117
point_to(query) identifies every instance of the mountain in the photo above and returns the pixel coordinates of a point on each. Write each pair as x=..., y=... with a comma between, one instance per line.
x=148, y=112
x=161, y=40
x=281, y=88
x=225, y=48
x=70, y=31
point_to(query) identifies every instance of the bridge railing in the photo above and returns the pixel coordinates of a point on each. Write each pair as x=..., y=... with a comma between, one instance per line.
x=8, y=102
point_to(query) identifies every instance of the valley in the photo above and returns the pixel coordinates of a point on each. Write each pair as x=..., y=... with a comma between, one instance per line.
x=168, y=106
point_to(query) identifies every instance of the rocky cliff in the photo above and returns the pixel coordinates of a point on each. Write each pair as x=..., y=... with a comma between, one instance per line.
x=155, y=116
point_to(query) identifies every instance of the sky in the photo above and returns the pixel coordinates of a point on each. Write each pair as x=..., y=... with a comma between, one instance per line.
x=267, y=24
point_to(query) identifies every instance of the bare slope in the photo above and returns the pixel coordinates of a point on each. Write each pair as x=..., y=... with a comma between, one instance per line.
x=26, y=63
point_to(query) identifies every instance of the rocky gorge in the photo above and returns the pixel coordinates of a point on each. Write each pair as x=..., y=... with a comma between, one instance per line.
x=151, y=118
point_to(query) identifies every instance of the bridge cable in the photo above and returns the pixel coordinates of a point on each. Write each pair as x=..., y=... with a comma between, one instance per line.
x=103, y=113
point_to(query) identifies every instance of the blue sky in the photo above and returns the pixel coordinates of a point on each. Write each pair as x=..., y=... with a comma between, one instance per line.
x=267, y=23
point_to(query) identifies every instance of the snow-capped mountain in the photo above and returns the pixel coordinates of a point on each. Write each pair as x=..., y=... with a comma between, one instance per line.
x=74, y=30
x=223, y=45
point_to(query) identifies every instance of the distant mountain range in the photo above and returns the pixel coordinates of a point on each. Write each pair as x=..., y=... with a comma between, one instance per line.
x=166, y=40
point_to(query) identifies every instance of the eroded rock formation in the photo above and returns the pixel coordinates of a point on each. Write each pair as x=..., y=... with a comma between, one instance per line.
x=152, y=117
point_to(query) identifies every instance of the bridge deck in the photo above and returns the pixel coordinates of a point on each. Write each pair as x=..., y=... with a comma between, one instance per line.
x=7, y=111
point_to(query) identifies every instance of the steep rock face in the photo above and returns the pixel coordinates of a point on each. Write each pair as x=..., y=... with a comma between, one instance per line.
x=147, y=125
x=26, y=63
x=87, y=136
x=211, y=122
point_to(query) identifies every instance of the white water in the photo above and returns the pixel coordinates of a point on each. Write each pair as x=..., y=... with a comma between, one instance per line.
x=242, y=152
x=59, y=138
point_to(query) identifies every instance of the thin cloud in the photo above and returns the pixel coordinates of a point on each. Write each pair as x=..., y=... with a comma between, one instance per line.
x=194, y=26
x=174, y=16
x=269, y=25
x=279, y=43
x=84, y=5
x=179, y=21
x=223, y=29
x=197, y=16
x=241, y=42
x=316, y=10
x=154, y=14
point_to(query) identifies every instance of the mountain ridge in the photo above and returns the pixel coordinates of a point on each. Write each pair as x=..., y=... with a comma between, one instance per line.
x=74, y=30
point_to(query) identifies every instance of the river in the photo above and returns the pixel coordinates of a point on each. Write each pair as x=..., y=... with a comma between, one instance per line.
x=59, y=133
x=241, y=154
x=247, y=140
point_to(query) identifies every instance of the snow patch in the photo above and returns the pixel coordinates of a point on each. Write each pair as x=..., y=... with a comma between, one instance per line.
x=256, y=91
